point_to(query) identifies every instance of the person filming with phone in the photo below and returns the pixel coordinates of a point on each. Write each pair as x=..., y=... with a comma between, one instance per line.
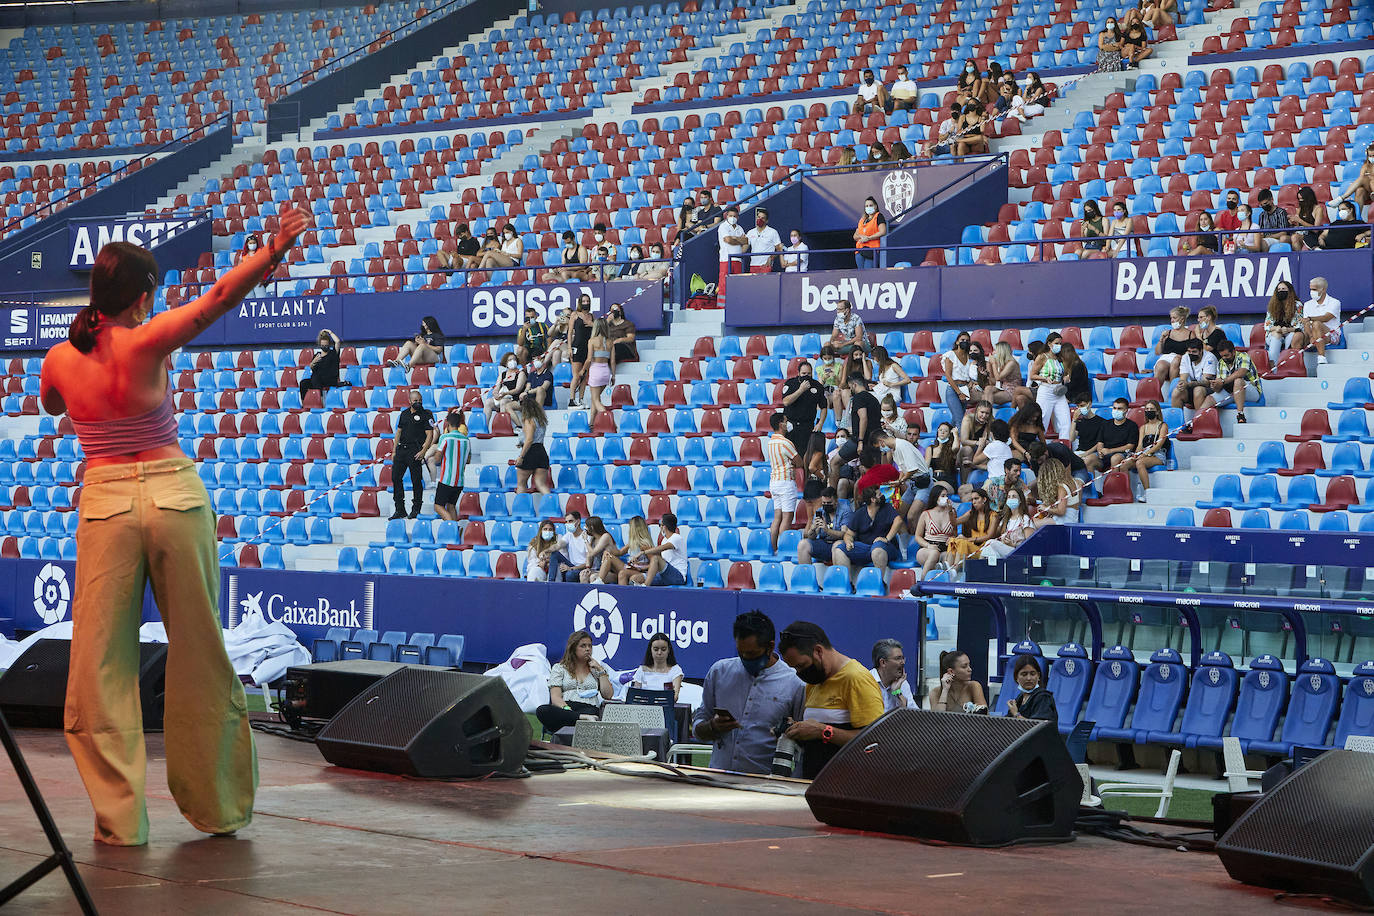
x=746, y=697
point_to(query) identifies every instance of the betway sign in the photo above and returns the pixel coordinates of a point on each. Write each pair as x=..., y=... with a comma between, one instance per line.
x=1049, y=292
x=88, y=236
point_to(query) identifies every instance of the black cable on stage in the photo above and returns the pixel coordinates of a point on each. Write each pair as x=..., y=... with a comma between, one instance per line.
x=1113, y=825
x=1344, y=906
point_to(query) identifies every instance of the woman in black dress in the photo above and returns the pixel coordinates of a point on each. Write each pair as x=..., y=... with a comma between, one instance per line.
x=579, y=332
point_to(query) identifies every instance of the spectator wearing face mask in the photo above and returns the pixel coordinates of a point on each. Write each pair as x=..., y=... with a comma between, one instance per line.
x=961, y=390
x=943, y=142
x=567, y=563
x=464, y=251
x=870, y=537
x=841, y=696
x=505, y=393
x=1014, y=524
x=794, y=256
x=969, y=86
x=426, y=348
x=1307, y=217
x=539, y=381
x=1245, y=240
x=891, y=377
x=864, y=418
x=1208, y=330
x=934, y=529
x=1117, y=438
x=1153, y=448
x=635, y=254
x=454, y=451
x=508, y=256
x=708, y=214
x=782, y=479
x=1195, y=371
x=1086, y=434
x=868, y=236
x=1109, y=48
x=602, y=256
x=1344, y=231
x=803, y=399
x=541, y=552
x=655, y=268
x=732, y=240
x=532, y=340
x=971, y=139
x=889, y=670
x=1282, y=323
x=1031, y=701
x=903, y=93
x=1361, y=190
x=764, y=243
x=1093, y=231
x=1272, y=217
x=324, y=366
x=579, y=336
x=1205, y=241
x=1321, y=318
x=1051, y=391
x=621, y=331
x=872, y=94
x=414, y=436
x=575, y=261
x=1119, y=227
x=687, y=226
x=825, y=528
x=1228, y=219
x=746, y=697
x=1171, y=346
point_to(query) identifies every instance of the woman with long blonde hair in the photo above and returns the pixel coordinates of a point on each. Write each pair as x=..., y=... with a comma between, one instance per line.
x=600, y=372
x=619, y=564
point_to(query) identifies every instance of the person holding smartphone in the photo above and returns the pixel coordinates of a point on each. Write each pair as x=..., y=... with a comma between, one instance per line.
x=745, y=697
x=578, y=685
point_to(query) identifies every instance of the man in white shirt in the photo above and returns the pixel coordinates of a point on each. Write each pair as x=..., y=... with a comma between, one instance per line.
x=763, y=240
x=1321, y=318
x=570, y=558
x=794, y=256
x=903, y=92
x=731, y=240
x=1195, y=370
x=889, y=670
x=913, y=480
x=872, y=94
x=667, y=561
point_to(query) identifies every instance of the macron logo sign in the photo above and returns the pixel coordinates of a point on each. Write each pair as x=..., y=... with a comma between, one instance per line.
x=866, y=296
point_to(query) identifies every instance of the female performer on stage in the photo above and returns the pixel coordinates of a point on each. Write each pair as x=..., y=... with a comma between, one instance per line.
x=145, y=515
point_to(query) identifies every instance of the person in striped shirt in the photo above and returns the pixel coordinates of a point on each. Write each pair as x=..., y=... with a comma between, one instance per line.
x=782, y=459
x=454, y=451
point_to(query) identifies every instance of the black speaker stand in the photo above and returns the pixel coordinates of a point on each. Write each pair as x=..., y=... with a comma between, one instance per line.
x=61, y=856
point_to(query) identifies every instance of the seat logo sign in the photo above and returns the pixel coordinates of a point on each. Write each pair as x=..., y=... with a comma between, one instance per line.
x=51, y=593
x=599, y=614
x=899, y=190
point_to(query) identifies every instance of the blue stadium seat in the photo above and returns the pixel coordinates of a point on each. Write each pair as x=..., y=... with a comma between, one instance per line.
x=1070, y=675
x=1311, y=707
x=1357, y=711
x=836, y=581
x=1156, y=707
x=803, y=580
x=1211, y=697
x=1263, y=695
x=772, y=578
x=1114, y=689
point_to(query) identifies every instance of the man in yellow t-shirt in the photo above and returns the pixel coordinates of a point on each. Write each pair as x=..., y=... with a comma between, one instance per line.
x=841, y=696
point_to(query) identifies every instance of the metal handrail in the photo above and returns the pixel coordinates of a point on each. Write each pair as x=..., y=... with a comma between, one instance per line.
x=281, y=89
x=203, y=129
x=1143, y=236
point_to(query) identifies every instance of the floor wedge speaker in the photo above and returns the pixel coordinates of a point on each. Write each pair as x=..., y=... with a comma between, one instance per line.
x=33, y=691
x=1312, y=833
x=430, y=722
x=970, y=779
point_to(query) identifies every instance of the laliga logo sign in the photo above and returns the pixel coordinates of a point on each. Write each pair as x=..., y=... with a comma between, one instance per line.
x=51, y=594
x=599, y=614
x=899, y=191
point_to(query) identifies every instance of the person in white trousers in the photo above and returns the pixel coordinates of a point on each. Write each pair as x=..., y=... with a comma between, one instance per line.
x=1050, y=391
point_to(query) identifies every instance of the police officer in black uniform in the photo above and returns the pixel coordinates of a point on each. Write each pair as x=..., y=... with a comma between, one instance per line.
x=414, y=436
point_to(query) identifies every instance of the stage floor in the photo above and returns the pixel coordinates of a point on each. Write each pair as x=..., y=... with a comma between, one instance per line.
x=340, y=841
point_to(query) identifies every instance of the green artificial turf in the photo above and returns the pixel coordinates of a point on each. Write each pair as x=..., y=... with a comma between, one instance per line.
x=1187, y=804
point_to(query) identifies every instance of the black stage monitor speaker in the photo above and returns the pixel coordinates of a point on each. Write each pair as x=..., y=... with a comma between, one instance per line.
x=430, y=722
x=970, y=779
x=1312, y=833
x=320, y=691
x=33, y=691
